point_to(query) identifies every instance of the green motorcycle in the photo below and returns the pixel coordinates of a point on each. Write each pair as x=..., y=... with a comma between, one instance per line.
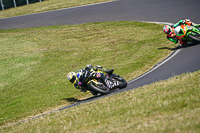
x=187, y=33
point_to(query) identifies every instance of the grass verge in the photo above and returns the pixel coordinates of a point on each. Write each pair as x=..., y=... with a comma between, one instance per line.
x=46, y=5
x=166, y=106
x=34, y=62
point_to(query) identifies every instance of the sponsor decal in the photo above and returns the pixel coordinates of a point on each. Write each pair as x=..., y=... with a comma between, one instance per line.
x=98, y=75
x=111, y=84
x=115, y=84
x=108, y=83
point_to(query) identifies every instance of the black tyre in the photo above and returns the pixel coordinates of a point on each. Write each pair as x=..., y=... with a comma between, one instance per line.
x=99, y=89
x=122, y=82
x=195, y=38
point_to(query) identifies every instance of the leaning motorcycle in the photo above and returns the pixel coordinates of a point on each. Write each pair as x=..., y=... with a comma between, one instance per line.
x=96, y=85
x=187, y=33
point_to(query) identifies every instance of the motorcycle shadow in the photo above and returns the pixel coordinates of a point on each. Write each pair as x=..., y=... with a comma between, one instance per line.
x=71, y=100
x=75, y=100
x=180, y=47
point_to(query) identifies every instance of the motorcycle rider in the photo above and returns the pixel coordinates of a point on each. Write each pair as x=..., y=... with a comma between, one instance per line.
x=169, y=30
x=78, y=79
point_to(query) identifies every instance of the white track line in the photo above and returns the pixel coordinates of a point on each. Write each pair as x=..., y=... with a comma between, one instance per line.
x=168, y=23
x=157, y=66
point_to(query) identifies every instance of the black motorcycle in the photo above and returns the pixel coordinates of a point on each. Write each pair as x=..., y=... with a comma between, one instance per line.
x=98, y=82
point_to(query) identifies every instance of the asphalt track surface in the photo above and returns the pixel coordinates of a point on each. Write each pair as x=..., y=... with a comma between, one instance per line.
x=119, y=10
x=181, y=61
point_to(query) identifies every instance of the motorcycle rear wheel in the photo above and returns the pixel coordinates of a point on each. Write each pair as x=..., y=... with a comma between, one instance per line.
x=98, y=89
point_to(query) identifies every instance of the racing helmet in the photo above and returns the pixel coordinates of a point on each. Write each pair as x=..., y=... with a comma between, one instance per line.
x=167, y=29
x=71, y=76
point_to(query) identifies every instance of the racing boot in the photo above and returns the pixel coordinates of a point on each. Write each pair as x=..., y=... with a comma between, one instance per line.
x=183, y=43
x=93, y=93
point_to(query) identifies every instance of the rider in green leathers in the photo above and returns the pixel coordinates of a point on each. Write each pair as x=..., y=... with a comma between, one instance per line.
x=169, y=30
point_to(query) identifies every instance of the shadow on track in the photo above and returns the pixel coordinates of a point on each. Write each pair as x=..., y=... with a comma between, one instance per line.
x=71, y=100
x=180, y=47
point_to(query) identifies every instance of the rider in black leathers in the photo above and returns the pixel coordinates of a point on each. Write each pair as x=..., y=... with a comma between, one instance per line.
x=78, y=79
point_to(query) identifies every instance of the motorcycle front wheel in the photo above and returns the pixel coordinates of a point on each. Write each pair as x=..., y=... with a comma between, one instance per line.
x=122, y=81
x=195, y=38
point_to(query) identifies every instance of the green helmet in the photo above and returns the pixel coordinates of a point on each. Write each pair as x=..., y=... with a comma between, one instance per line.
x=167, y=29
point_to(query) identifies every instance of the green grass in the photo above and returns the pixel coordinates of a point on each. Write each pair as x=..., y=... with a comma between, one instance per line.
x=34, y=62
x=46, y=5
x=166, y=106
